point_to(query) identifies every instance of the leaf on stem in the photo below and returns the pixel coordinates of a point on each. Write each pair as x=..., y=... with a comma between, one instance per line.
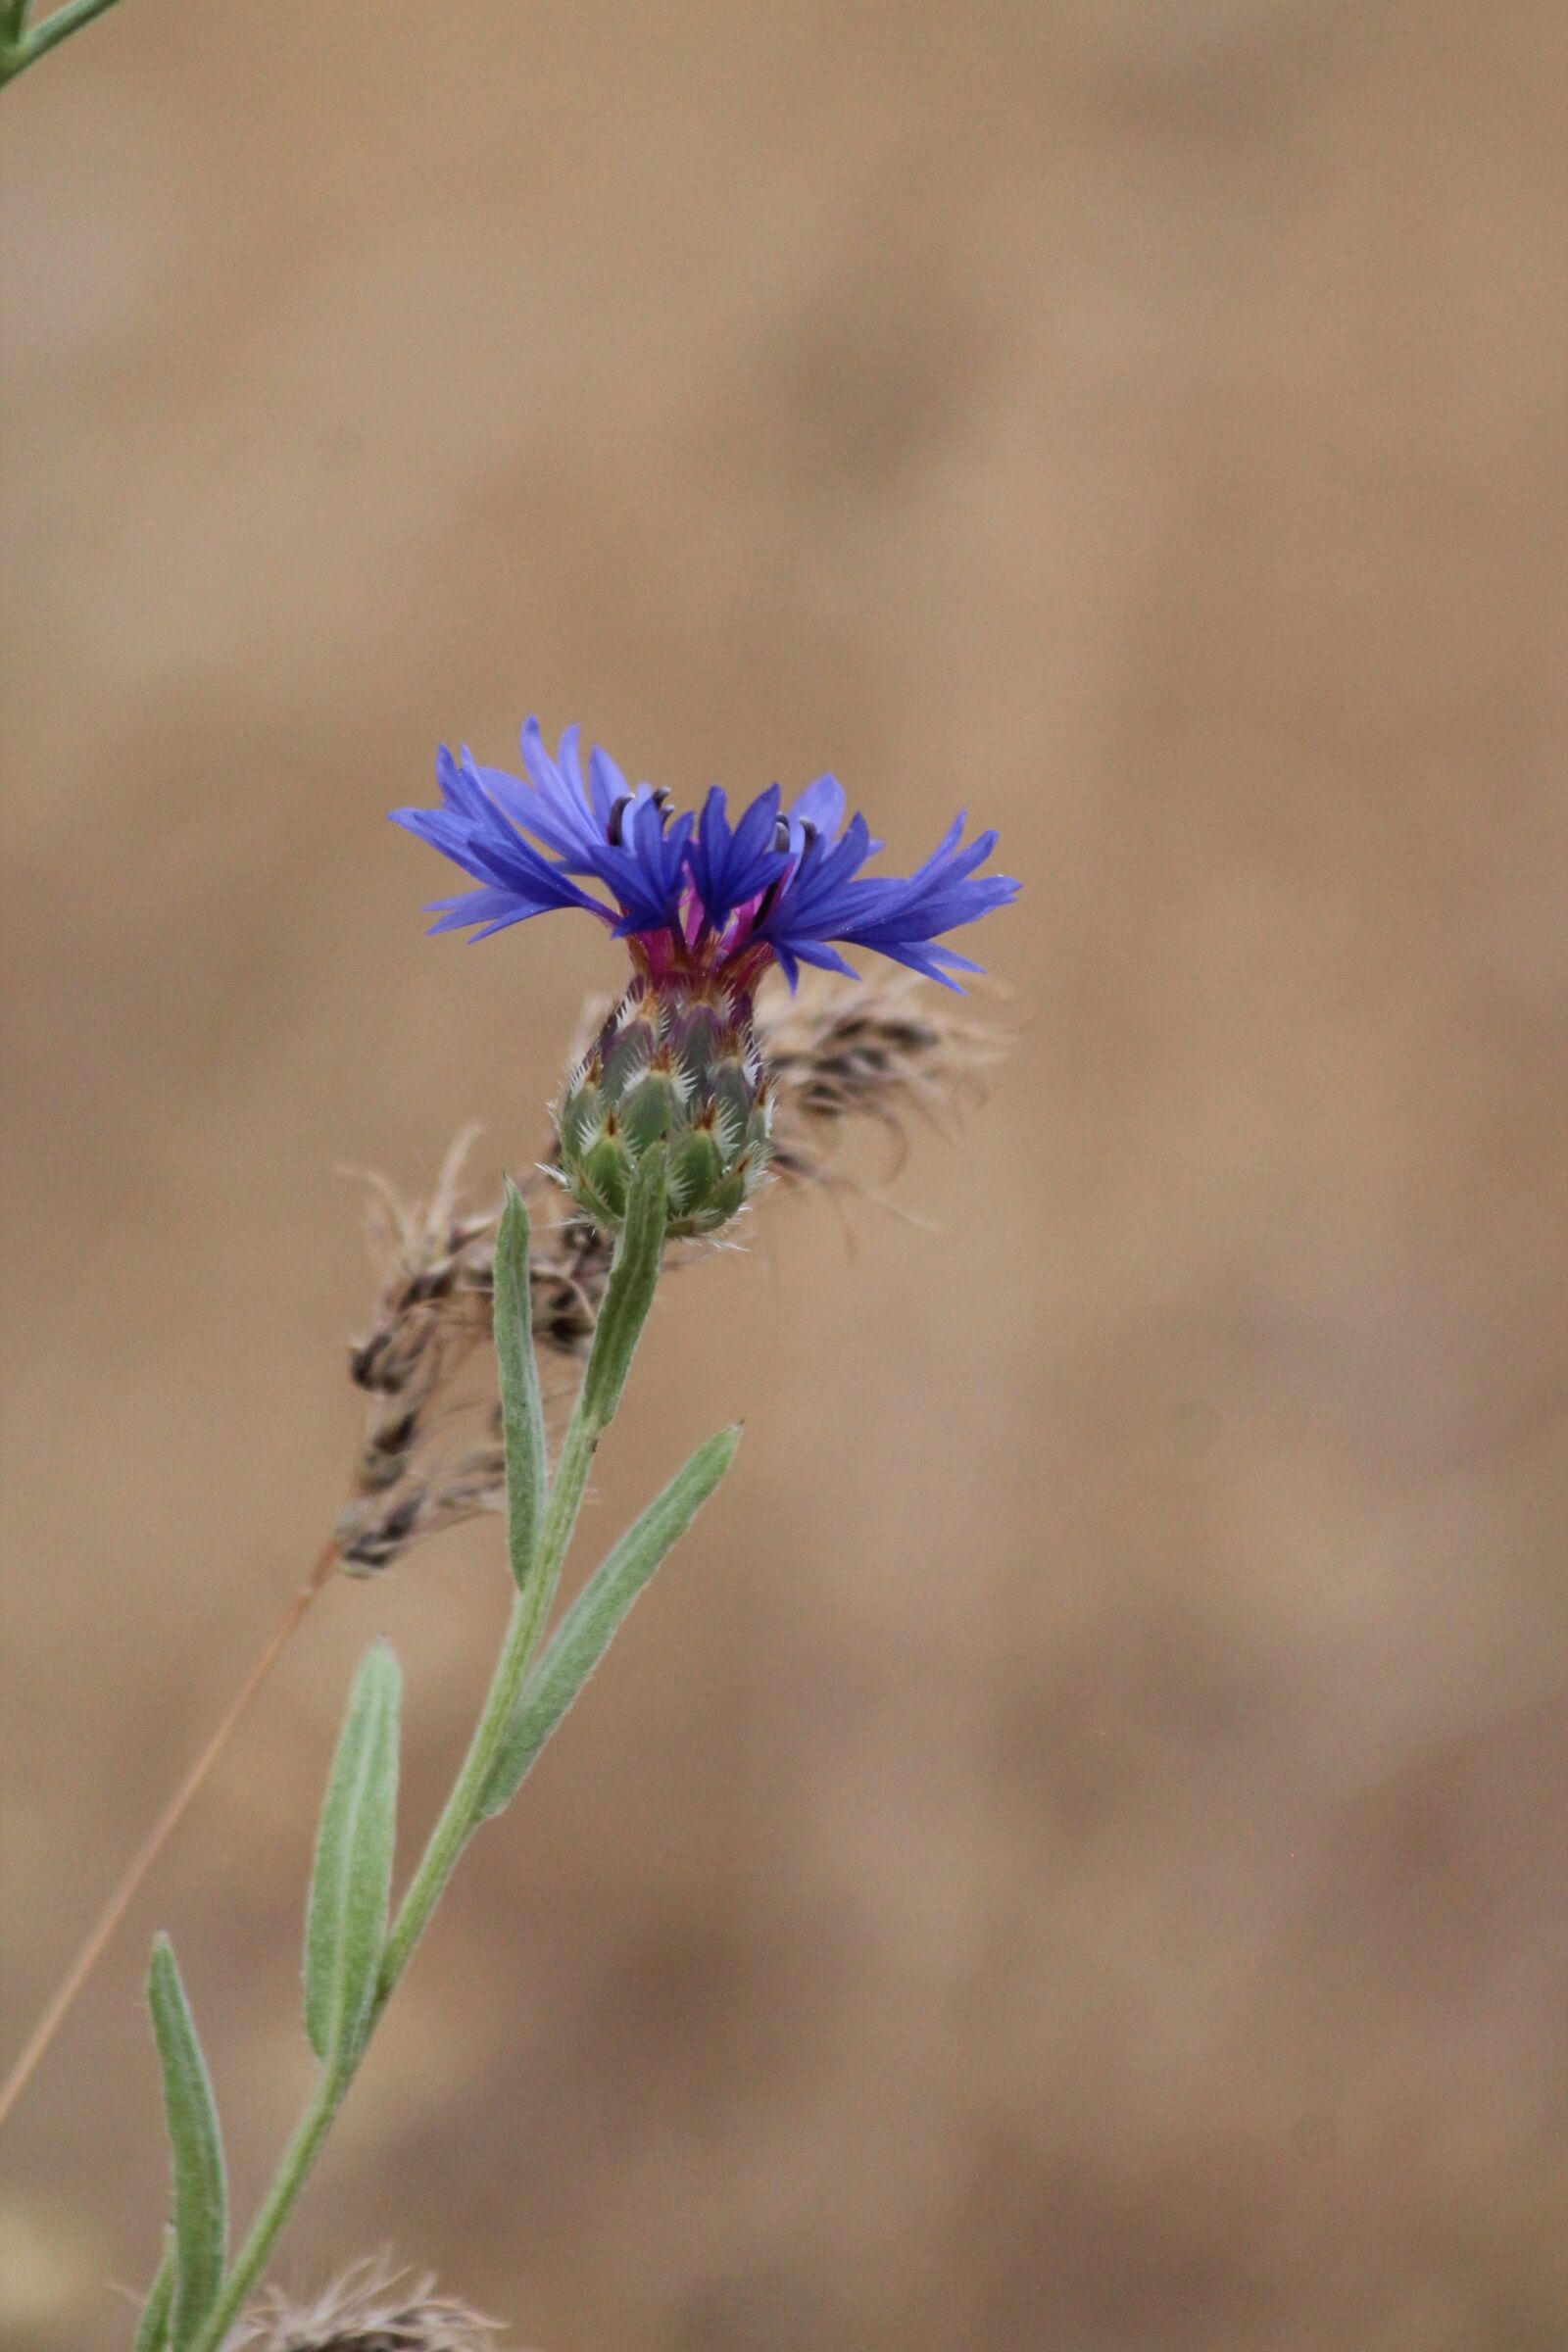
x=633, y=1279
x=523, y=1416
x=591, y=1623
x=201, y=2204
x=152, y=2331
x=345, y=1931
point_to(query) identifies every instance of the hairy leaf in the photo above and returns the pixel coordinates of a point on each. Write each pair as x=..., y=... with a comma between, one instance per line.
x=633, y=1279
x=521, y=1411
x=152, y=2332
x=201, y=2205
x=345, y=1931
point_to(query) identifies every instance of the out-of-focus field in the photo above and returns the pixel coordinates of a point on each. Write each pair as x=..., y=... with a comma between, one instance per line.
x=1074, y=1857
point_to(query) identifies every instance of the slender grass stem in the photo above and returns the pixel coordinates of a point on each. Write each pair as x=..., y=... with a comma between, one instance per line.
x=28, y=2058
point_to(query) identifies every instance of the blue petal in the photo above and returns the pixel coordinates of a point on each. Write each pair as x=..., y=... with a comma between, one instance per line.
x=647, y=870
x=728, y=866
x=811, y=893
x=551, y=802
x=827, y=898
x=471, y=829
x=606, y=786
x=822, y=806
x=820, y=891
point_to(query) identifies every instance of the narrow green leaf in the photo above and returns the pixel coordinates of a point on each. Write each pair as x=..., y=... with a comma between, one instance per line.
x=201, y=2206
x=633, y=1279
x=523, y=1417
x=152, y=2332
x=591, y=1623
x=345, y=1929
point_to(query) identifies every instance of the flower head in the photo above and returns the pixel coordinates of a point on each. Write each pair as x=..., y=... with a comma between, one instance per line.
x=696, y=896
x=705, y=905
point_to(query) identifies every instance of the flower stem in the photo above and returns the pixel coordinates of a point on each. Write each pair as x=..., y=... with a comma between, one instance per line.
x=615, y=1339
x=299, y=2158
x=461, y=1813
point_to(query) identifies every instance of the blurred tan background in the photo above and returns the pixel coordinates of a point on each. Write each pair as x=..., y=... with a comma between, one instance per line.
x=1074, y=1855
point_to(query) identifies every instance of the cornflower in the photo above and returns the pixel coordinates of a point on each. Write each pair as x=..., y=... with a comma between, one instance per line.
x=706, y=906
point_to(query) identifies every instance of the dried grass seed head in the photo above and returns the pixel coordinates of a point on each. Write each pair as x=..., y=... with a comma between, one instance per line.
x=372, y=2307
x=886, y=1051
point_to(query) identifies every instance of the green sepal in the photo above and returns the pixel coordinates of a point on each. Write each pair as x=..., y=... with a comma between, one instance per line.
x=152, y=2330
x=696, y=1170
x=523, y=1417
x=602, y=1179
x=201, y=2197
x=582, y=1114
x=630, y=1052
x=345, y=1931
x=734, y=1097
x=649, y=1109
x=591, y=1623
x=677, y=1056
x=694, y=1039
x=730, y=1197
x=633, y=1278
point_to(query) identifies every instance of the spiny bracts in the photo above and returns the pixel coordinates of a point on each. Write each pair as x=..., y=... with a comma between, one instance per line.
x=676, y=1063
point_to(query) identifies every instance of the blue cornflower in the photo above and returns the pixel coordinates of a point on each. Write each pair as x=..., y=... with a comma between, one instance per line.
x=697, y=896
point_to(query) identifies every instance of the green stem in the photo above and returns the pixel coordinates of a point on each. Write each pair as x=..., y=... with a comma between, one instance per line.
x=620, y=1327
x=461, y=1813
x=290, y=2178
x=460, y=1818
x=22, y=44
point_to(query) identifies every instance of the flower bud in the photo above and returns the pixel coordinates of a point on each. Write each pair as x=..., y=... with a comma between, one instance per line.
x=677, y=1063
